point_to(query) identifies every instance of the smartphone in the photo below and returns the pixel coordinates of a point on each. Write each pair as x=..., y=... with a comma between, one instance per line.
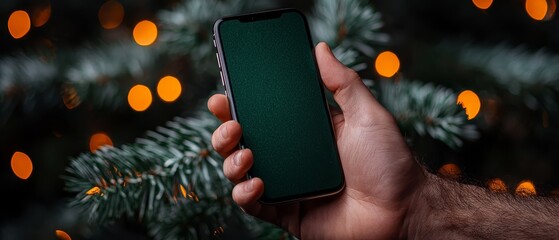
x=270, y=76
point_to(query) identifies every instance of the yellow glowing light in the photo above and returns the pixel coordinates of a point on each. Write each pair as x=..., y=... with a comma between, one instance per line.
x=537, y=9
x=169, y=88
x=387, y=64
x=450, y=170
x=98, y=140
x=111, y=14
x=93, y=191
x=21, y=165
x=139, y=98
x=470, y=102
x=526, y=188
x=40, y=16
x=183, y=190
x=497, y=185
x=145, y=33
x=19, y=24
x=483, y=4
x=61, y=235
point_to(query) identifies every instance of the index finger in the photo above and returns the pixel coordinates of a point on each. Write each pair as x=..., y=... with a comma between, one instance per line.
x=219, y=106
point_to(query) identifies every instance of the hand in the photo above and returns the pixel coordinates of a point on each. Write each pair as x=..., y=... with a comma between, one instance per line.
x=382, y=178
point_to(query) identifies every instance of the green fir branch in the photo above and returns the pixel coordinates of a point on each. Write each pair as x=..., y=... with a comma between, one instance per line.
x=520, y=75
x=171, y=179
x=424, y=109
x=350, y=27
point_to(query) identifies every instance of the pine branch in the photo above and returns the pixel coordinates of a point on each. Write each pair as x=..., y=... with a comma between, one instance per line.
x=350, y=27
x=171, y=179
x=513, y=72
x=424, y=109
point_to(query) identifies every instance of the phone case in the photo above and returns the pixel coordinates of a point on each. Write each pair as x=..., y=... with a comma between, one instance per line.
x=271, y=79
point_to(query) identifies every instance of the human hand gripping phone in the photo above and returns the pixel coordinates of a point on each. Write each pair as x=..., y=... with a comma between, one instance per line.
x=275, y=92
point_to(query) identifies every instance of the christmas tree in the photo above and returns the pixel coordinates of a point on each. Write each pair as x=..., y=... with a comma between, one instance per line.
x=475, y=97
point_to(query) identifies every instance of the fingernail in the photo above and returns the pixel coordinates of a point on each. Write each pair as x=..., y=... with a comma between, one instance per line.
x=249, y=185
x=237, y=158
x=223, y=131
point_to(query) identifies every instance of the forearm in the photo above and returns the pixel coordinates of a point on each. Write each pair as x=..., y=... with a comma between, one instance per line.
x=449, y=210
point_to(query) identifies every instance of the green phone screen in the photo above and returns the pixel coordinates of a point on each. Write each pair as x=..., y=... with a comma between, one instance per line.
x=278, y=99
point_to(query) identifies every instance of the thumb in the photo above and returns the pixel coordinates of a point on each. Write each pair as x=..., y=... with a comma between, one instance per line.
x=355, y=99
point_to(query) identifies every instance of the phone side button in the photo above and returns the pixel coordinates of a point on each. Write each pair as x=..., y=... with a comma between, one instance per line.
x=218, y=62
x=225, y=92
x=222, y=82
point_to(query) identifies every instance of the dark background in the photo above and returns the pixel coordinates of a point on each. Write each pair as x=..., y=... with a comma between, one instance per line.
x=515, y=147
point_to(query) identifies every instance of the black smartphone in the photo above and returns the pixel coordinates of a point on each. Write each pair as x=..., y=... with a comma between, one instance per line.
x=269, y=72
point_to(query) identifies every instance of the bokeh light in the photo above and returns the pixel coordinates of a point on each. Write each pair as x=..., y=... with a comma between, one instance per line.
x=139, y=98
x=61, y=235
x=145, y=33
x=98, y=140
x=169, y=88
x=70, y=96
x=111, y=14
x=387, y=64
x=21, y=165
x=19, y=24
x=526, y=188
x=483, y=4
x=540, y=9
x=470, y=102
x=41, y=15
x=450, y=171
x=497, y=185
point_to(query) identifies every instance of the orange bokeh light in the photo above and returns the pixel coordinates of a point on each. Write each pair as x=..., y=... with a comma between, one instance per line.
x=21, y=165
x=40, y=16
x=470, y=102
x=19, y=24
x=169, y=88
x=497, y=185
x=61, y=235
x=387, y=64
x=98, y=140
x=483, y=4
x=111, y=14
x=139, y=98
x=540, y=9
x=450, y=170
x=145, y=33
x=526, y=188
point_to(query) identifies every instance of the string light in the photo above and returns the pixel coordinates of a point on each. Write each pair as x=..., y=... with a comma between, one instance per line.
x=451, y=171
x=19, y=24
x=61, y=235
x=145, y=33
x=21, y=165
x=483, y=4
x=526, y=188
x=169, y=88
x=111, y=14
x=540, y=9
x=470, y=102
x=40, y=16
x=387, y=64
x=98, y=140
x=497, y=185
x=139, y=98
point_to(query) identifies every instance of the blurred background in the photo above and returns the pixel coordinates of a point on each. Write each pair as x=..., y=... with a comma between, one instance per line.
x=103, y=132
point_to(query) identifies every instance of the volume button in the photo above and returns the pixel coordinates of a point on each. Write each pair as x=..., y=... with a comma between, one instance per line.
x=218, y=62
x=222, y=82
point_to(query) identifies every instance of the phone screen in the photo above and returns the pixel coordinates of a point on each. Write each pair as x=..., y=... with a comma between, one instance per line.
x=276, y=95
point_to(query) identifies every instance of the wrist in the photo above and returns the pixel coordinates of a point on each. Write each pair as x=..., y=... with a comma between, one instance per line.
x=419, y=211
